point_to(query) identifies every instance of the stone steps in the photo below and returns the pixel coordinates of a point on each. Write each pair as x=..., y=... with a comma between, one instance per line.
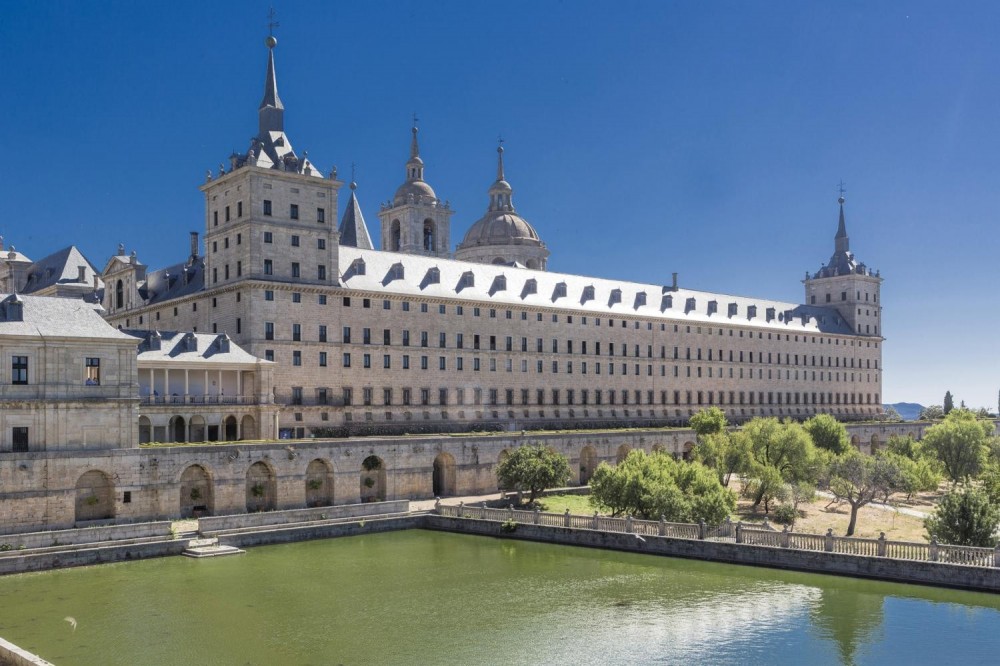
x=199, y=548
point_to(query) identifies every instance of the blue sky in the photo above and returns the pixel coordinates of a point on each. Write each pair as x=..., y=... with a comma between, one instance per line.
x=642, y=138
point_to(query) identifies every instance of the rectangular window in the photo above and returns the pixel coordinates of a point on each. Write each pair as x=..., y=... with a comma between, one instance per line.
x=296, y=272
x=296, y=297
x=227, y=214
x=296, y=358
x=366, y=336
x=322, y=332
x=239, y=209
x=269, y=330
x=93, y=372
x=347, y=360
x=322, y=359
x=293, y=211
x=366, y=396
x=268, y=267
x=387, y=396
x=267, y=207
x=268, y=237
x=321, y=215
x=296, y=332
x=320, y=243
x=387, y=361
x=295, y=241
x=19, y=436
x=321, y=272
x=386, y=336
x=269, y=355
x=347, y=397
x=347, y=335
x=366, y=360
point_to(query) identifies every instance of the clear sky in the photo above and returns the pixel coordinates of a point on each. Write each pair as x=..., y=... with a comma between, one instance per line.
x=642, y=138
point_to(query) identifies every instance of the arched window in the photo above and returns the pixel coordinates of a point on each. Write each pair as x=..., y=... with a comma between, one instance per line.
x=429, y=235
x=119, y=295
x=394, y=236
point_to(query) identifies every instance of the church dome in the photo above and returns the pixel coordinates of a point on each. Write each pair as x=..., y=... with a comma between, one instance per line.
x=417, y=188
x=501, y=228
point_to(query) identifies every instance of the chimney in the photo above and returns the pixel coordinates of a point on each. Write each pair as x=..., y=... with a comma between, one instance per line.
x=95, y=281
x=194, y=245
x=155, y=341
x=81, y=275
x=674, y=285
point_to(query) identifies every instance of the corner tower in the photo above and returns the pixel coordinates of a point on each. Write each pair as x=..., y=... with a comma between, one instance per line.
x=271, y=215
x=415, y=221
x=501, y=236
x=850, y=287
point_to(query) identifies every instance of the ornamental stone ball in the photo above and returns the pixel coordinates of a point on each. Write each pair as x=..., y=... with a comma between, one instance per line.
x=270, y=41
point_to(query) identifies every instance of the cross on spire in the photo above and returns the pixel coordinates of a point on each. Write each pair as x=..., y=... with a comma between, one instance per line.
x=415, y=119
x=271, y=23
x=840, y=188
x=500, y=140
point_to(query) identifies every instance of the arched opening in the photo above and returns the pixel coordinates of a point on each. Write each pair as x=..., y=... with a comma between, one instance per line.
x=394, y=236
x=372, y=479
x=688, y=451
x=856, y=442
x=588, y=463
x=430, y=235
x=145, y=430
x=178, y=429
x=623, y=452
x=261, y=488
x=875, y=443
x=230, y=429
x=197, y=429
x=119, y=294
x=248, y=427
x=499, y=261
x=197, y=496
x=95, y=497
x=533, y=264
x=319, y=483
x=444, y=482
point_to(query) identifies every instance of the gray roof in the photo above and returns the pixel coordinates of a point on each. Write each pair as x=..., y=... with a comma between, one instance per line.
x=407, y=274
x=189, y=347
x=60, y=267
x=353, y=230
x=52, y=317
x=176, y=281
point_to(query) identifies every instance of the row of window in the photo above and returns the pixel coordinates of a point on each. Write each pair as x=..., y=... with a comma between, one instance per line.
x=19, y=371
x=540, y=397
x=267, y=209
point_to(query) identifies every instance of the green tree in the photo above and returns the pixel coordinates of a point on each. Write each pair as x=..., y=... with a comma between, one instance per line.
x=960, y=442
x=649, y=486
x=931, y=413
x=708, y=421
x=949, y=403
x=721, y=452
x=828, y=433
x=889, y=415
x=917, y=474
x=903, y=445
x=964, y=517
x=858, y=479
x=533, y=468
x=777, y=453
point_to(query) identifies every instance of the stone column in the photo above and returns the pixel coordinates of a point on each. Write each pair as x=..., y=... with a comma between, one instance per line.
x=881, y=544
x=566, y=518
x=828, y=544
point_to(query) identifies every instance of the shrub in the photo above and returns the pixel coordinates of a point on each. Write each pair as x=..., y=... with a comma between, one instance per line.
x=965, y=518
x=785, y=514
x=508, y=526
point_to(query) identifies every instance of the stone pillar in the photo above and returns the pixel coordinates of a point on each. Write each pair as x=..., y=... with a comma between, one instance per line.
x=663, y=526
x=828, y=545
x=537, y=516
x=739, y=531
x=996, y=556
x=701, y=530
x=566, y=518
x=461, y=509
x=933, y=550
x=593, y=523
x=784, y=537
x=881, y=544
x=437, y=505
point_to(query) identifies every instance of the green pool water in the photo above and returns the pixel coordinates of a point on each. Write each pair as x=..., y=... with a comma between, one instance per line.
x=419, y=597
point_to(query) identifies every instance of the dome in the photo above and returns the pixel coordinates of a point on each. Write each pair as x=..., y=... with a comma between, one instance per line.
x=501, y=228
x=417, y=188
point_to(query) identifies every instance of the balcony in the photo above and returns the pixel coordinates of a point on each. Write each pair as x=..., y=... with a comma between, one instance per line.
x=200, y=399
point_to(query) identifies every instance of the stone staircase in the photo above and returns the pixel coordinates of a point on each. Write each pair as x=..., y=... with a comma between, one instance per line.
x=209, y=547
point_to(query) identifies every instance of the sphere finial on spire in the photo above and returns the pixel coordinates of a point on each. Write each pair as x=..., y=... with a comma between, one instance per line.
x=841, y=190
x=271, y=41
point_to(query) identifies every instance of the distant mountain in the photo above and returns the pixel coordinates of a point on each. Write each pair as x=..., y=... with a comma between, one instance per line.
x=910, y=411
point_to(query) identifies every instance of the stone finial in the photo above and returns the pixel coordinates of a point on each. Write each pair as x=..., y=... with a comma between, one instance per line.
x=121, y=249
x=208, y=175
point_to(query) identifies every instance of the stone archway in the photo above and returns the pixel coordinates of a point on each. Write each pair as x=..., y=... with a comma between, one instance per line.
x=197, y=497
x=688, y=453
x=373, y=479
x=230, y=429
x=95, y=497
x=248, y=427
x=622, y=454
x=588, y=463
x=319, y=483
x=145, y=430
x=178, y=429
x=261, y=493
x=875, y=444
x=196, y=426
x=443, y=478
x=856, y=442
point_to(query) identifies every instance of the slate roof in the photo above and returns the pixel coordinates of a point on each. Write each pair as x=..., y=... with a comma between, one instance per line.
x=176, y=281
x=353, y=230
x=52, y=317
x=59, y=268
x=397, y=273
x=175, y=346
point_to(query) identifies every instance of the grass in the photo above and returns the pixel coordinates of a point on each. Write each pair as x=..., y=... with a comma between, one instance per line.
x=577, y=504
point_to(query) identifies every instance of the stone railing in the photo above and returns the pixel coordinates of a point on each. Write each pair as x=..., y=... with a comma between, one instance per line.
x=754, y=535
x=194, y=399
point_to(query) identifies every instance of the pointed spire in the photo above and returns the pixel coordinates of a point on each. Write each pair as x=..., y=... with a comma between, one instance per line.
x=415, y=165
x=353, y=230
x=841, y=241
x=271, y=111
x=414, y=148
x=500, y=159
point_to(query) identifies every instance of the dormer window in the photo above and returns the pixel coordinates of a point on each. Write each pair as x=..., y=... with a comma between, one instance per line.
x=640, y=300
x=616, y=297
x=713, y=307
x=358, y=267
x=734, y=309
x=559, y=291
x=467, y=280
x=690, y=305
x=770, y=314
x=499, y=284
x=666, y=302
x=588, y=294
x=530, y=287
x=751, y=311
x=433, y=276
x=395, y=272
